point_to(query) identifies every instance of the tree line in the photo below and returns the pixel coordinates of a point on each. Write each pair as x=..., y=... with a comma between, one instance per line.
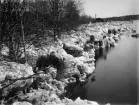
x=20, y=19
x=120, y=18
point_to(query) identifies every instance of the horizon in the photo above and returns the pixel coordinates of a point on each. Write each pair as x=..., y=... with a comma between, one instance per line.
x=119, y=16
x=110, y=8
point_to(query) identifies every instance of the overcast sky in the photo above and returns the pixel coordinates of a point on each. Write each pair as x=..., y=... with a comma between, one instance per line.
x=110, y=8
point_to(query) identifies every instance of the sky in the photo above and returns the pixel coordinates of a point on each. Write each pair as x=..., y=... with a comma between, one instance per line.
x=110, y=8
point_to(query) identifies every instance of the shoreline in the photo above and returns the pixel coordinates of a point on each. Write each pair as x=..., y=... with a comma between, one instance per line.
x=70, y=60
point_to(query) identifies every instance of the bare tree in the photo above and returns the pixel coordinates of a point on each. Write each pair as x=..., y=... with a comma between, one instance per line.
x=12, y=26
x=54, y=15
x=21, y=19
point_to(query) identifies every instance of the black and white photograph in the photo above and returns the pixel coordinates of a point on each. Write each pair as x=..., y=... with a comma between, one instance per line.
x=69, y=52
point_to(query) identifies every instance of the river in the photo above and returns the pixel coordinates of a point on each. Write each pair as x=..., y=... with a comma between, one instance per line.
x=116, y=75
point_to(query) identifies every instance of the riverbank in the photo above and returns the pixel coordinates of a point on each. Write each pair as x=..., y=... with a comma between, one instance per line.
x=55, y=70
x=115, y=77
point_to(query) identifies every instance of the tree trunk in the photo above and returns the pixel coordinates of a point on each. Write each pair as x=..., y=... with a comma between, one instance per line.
x=11, y=49
x=23, y=39
x=37, y=22
x=55, y=19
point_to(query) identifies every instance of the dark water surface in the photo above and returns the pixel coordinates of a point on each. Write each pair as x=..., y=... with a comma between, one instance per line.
x=116, y=75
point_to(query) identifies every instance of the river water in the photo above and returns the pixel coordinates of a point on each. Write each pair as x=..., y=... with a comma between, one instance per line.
x=116, y=75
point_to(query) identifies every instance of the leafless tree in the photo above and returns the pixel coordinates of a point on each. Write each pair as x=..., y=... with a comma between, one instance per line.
x=12, y=26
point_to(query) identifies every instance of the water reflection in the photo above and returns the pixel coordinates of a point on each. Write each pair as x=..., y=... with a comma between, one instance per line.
x=101, y=53
x=73, y=90
x=93, y=78
x=77, y=89
x=116, y=77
